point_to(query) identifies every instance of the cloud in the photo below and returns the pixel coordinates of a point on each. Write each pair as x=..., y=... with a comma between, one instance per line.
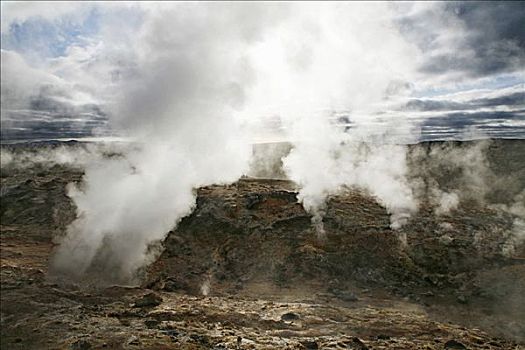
x=39, y=104
x=178, y=105
x=514, y=99
x=467, y=39
x=60, y=66
x=430, y=46
x=20, y=81
x=496, y=112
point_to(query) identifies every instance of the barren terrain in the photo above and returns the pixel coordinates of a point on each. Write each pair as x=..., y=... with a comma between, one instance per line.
x=246, y=270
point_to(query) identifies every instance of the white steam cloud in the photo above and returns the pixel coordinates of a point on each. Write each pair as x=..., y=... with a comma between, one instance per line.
x=328, y=59
x=179, y=108
x=192, y=81
x=201, y=71
x=77, y=156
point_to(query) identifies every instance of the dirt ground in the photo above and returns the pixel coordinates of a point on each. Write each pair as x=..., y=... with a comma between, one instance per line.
x=246, y=271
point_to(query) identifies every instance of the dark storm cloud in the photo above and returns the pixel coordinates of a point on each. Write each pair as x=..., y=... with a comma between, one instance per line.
x=49, y=103
x=492, y=40
x=460, y=120
x=35, y=129
x=452, y=126
x=36, y=126
x=38, y=104
x=433, y=105
x=514, y=99
x=46, y=117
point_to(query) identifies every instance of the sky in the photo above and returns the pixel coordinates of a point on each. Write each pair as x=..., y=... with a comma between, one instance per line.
x=442, y=70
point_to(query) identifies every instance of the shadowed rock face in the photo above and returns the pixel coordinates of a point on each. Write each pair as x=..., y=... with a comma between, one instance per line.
x=251, y=249
x=256, y=230
x=254, y=234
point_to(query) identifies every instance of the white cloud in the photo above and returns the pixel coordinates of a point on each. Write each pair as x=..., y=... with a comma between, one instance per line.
x=20, y=81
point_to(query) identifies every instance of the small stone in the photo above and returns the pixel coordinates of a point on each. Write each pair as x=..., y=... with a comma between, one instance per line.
x=344, y=295
x=172, y=333
x=81, y=345
x=348, y=296
x=173, y=285
x=202, y=339
x=461, y=299
x=133, y=340
x=454, y=344
x=446, y=239
x=358, y=344
x=148, y=300
x=151, y=323
x=310, y=345
x=289, y=316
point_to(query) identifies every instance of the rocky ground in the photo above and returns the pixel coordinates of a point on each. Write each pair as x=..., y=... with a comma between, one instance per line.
x=246, y=271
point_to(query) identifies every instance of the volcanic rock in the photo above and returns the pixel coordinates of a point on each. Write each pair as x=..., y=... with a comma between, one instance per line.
x=148, y=300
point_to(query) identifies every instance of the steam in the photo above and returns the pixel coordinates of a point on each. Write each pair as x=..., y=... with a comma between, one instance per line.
x=447, y=201
x=447, y=174
x=266, y=160
x=198, y=76
x=78, y=156
x=324, y=169
x=515, y=237
x=450, y=174
x=325, y=65
x=180, y=112
x=200, y=73
x=206, y=286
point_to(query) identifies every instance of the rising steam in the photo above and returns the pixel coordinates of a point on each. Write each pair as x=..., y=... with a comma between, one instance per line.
x=200, y=75
x=179, y=113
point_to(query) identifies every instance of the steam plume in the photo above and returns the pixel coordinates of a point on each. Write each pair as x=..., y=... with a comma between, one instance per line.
x=179, y=112
x=201, y=70
x=199, y=74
